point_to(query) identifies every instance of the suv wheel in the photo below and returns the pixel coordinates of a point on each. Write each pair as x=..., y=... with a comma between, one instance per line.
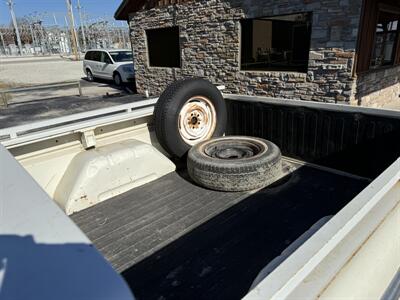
x=117, y=79
x=89, y=75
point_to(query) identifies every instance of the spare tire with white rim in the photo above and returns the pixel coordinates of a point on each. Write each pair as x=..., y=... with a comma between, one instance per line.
x=235, y=163
x=189, y=111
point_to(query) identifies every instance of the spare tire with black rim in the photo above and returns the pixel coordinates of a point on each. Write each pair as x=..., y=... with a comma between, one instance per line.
x=189, y=111
x=234, y=163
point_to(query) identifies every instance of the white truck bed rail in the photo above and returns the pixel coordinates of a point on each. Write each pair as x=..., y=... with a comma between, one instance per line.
x=16, y=135
x=321, y=261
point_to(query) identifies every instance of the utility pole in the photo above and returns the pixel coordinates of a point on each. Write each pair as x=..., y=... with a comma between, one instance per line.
x=57, y=33
x=79, y=7
x=107, y=29
x=10, y=4
x=119, y=37
x=33, y=36
x=123, y=35
x=55, y=19
x=67, y=35
x=32, y=19
x=2, y=42
x=72, y=29
x=42, y=39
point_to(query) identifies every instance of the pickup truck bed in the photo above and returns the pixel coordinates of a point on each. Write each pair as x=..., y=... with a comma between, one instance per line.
x=171, y=239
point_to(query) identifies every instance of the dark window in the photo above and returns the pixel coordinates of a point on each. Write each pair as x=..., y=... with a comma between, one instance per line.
x=279, y=43
x=163, y=47
x=105, y=58
x=88, y=55
x=96, y=56
x=386, y=39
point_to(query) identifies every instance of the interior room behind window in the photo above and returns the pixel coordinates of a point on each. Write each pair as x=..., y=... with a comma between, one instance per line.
x=279, y=43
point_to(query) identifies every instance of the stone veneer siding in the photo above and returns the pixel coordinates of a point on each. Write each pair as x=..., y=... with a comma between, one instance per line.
x=210, y=47
x=379, y=88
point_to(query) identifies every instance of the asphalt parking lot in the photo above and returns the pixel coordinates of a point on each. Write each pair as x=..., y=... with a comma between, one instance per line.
x=38, y=105
x=34, y=111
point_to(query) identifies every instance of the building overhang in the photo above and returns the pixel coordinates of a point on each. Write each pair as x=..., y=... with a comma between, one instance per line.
x=127, y=7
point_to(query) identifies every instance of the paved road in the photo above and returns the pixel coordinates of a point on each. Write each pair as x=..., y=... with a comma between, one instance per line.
x=29, y=112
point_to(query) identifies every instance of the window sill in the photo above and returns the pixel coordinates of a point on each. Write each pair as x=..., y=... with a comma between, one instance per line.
x=164, y=68
x=378, y=70
x=275, y=73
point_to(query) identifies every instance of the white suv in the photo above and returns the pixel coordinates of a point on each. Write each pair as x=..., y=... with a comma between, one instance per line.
x=109, y=64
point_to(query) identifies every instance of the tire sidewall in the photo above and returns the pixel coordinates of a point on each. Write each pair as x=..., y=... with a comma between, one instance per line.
x=119, y=81
x=242, y=174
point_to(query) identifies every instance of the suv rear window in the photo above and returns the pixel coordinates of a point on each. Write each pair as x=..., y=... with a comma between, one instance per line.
x=93, y=55
x=89, y=55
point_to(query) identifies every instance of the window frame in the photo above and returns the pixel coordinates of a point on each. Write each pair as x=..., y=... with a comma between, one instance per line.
x=395, y=53
x=309, y=15
x=367, y=35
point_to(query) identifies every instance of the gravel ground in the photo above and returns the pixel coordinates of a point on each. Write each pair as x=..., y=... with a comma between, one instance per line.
x=39, y=70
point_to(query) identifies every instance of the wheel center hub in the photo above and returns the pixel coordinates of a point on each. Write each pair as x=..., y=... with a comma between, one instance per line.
x=194, y=121
x=230, y=150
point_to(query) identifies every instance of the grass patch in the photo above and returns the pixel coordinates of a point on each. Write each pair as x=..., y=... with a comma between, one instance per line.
x=5, y=98
x=4, y=85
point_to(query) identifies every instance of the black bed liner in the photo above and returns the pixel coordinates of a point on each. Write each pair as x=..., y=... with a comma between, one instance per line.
x=135, y=224
x=171, y=239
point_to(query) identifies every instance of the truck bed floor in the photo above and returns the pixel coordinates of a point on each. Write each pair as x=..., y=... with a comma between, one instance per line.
x=171, y=239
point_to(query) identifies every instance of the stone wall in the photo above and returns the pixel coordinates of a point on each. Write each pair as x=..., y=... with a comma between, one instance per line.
x=210, y=47
x=379, y=88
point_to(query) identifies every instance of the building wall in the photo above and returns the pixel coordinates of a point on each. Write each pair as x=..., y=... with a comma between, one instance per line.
x=379, y=88
x=210, y=47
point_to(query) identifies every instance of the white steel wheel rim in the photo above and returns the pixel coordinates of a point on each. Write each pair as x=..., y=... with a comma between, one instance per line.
x=197, y=120
x=89, y=75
